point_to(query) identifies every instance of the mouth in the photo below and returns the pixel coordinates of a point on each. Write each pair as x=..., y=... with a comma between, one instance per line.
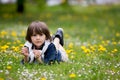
x=38, y=41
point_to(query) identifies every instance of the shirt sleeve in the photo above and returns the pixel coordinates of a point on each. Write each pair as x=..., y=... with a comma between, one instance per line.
x=50, y=54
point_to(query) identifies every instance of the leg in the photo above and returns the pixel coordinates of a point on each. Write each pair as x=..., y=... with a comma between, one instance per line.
x=58, y=41
x=64, y=56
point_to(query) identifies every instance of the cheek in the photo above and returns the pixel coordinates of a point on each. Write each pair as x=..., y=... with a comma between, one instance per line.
x=32, y=39
x=45, y=38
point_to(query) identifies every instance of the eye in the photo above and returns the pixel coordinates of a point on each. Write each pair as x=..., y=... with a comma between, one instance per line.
x=34, y=35
x=41, y=34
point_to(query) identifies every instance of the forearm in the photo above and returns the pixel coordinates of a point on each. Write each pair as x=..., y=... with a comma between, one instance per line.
x=40, y=60
x=26, y=59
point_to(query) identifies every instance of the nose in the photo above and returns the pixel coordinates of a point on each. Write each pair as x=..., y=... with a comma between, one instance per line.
x=38, y=36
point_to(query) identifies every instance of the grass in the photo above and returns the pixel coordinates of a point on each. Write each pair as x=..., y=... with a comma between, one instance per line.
x=92, y=41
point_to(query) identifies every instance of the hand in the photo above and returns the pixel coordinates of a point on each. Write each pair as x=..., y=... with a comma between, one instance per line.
x=25, y=51
x=37, y=53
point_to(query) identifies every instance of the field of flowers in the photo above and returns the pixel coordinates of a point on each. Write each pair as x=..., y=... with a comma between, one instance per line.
x=92, y=42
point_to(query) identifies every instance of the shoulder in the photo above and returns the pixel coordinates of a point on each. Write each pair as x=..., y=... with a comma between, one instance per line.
x=51, y=45
x=51, y=48
x=28, y=44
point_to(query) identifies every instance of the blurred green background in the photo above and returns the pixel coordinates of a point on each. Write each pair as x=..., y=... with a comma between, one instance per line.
x=91, y=31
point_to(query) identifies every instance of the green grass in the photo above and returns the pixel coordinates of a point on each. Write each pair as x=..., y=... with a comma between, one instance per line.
x=92, y=41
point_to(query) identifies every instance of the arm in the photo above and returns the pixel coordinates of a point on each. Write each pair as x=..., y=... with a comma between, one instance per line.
x=25, y=53
x=37, y=54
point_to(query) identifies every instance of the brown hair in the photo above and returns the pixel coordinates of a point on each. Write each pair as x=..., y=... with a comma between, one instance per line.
x=38, y=28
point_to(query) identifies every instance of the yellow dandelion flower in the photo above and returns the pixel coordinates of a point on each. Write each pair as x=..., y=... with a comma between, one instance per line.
x=14, y=34
x=92, y=48
x=1, y=78
x=68, y=51
x=114, y=50
x=23, y=33
x=51, y=33
x=117, y=34
x=83, y=47
x=95, y=30
x=9, y=67
x=4, y=48
x=3, y=33
x=114, y=43
x=87, y=50
x=72, y=75
x=107, y=41
x=101, y=37
x=18, y=41
x=101, y=48
x=43, y=78
x=21, y=45
x=70, y=45
x=15, y=49
x=72, y=57
x=67, y=36
x=8, y=43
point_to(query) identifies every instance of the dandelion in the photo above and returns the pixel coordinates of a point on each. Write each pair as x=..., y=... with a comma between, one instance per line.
x=14, y=34
x=23, y=33
x=117, y=34
x=101, y=48
x=114, y=43
x=43, y=78
x=87, y=50
x=72, y=75
x=92, y=48
x=18, y=41
x=67, y=36
x=9, y=67
x=101, y=37
x=70, y=45
x=72, y=57
x=21, y=45
x=4, y=48
x=3, y=33
x=8, y=43
x=15, y=49
x=1, y=79
x=83, y=47
x=69, y=51
x=95, y=30
x=107, y=41
x=115, y=50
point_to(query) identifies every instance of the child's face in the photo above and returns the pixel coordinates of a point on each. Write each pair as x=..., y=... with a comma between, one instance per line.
x=38, y=39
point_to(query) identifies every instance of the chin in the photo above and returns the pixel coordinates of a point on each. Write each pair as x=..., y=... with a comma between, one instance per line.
x=38, y=45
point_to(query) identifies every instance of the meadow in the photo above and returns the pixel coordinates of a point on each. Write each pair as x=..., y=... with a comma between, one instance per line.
x=92, y=42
